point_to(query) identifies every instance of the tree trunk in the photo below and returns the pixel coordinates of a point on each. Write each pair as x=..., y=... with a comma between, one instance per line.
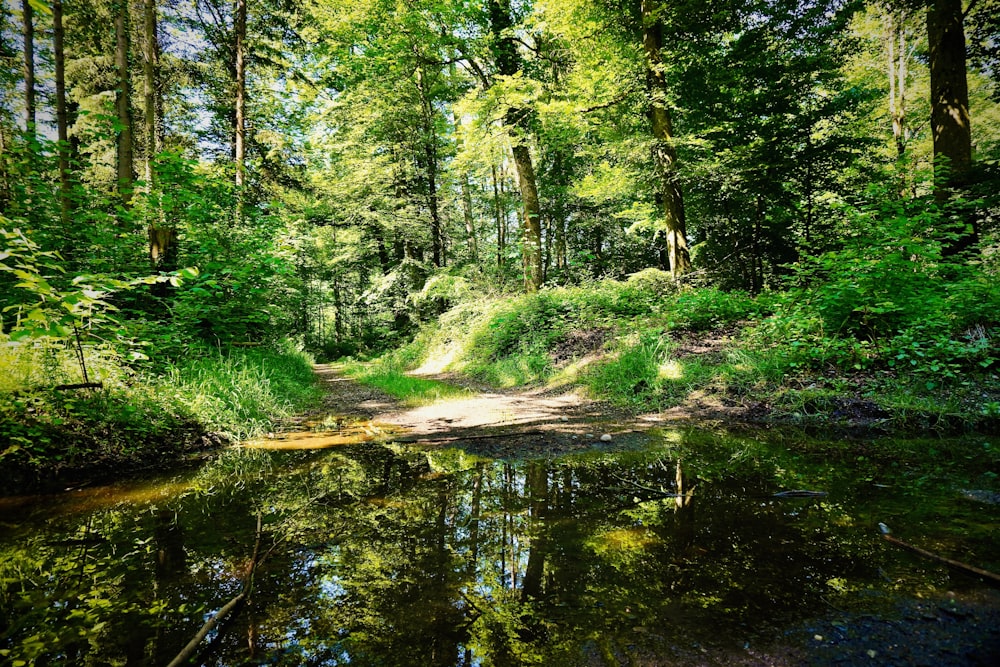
x=500, y=217
x=62, y=115
x=431, y=158
x=123, y=106
x=532, y=218
x=897, y=74
x=950, y=123
x=239, y=129
x=949, y=88
x=162, y=237
x=150, y=65
x=29, y=67
x=664, y=151
x=508, y=63
x=470, y=225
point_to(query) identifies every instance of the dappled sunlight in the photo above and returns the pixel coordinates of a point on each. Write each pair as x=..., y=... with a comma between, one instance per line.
x=439, y=360
x=99, y=498
x=633, y=538
x=671, y=369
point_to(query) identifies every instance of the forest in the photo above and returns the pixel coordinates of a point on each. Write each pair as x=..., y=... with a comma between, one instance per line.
x=499, y=332
x=201, y=197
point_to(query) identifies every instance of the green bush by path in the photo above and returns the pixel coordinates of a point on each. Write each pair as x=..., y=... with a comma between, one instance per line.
x=137, y=418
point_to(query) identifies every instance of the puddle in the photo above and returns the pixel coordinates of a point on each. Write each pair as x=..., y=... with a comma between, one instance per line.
x=329, y=432
x=380, y=553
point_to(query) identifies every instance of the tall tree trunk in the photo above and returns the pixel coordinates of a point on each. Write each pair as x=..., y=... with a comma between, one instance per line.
x=664, y=151
x=949, y=88
x=950, y=121
x=532, y=218
x=123, y=104
x=150, y=67
x=162, y=237
x=28, y=27
x=470, y=225
x=897, y=74
x=239, y=129
x=500, y=216
x=431, y=159
x=508, y=63
x=62, y=114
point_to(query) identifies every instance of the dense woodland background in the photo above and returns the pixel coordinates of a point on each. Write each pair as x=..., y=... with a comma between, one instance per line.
x=178, y=175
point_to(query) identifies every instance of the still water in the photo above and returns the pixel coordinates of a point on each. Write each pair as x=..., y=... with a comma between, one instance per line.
x=676, y=551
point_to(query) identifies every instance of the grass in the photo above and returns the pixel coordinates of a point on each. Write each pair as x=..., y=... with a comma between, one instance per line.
x=137, y=417
x=413, y=391
x=243, y=393
x=623, y=342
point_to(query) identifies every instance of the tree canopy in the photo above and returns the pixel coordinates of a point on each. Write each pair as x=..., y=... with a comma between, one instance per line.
x=340, y=170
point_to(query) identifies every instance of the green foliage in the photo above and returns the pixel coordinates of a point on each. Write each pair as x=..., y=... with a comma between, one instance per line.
x=136, y=416
x=59, y=314
x=708, y=308
x=890, y=298
x=410, y=389
x=631, y=376
x=244, y=392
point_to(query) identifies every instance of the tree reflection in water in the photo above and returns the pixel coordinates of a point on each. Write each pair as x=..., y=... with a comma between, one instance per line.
x=377, y=554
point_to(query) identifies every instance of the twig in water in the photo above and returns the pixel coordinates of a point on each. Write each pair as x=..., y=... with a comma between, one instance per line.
x=986, y=574
x=188, y=651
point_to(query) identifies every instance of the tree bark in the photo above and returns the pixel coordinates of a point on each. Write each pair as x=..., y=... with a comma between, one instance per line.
x=239, y=130
x=162, y=237
x=532, y=218
x=508, y=63
x=949, y=88
x=123, y=106
x=431, y=167
x=28, y=29
x=150, y=66
x=500, y=217
x=470, y=225
x=897, y=74
x=664, y=151
x=62, y=114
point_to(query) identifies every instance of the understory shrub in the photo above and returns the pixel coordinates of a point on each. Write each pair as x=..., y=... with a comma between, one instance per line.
x=891, y=298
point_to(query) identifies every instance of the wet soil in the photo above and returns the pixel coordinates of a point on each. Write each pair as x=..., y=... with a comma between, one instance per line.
x=497, y=424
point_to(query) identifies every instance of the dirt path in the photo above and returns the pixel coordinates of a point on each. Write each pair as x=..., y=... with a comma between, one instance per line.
x=488, y=422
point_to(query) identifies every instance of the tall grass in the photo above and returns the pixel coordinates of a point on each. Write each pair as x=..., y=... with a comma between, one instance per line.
x=243, y=393
x=136, y=416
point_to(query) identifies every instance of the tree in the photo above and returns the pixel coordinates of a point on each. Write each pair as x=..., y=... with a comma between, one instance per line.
x=123, y=104
x=162, y=236
x=29, y=65
x=240, y=80
x=62, y=113
x=664, y=152
x=508, y=64
x=949, y=88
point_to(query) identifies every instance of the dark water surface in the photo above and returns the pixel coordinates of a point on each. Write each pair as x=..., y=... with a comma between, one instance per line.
x=676, y=552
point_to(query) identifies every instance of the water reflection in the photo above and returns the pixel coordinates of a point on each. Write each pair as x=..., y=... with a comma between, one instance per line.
x=379, y=554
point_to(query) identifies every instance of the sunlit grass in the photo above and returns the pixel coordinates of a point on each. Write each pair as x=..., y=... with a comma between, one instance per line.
x=246, y=392
x=412, y=390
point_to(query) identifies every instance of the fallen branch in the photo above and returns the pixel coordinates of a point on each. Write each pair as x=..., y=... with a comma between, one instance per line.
x=81, y=385
x=188, y=651
x=192, y=646
x=886, y=533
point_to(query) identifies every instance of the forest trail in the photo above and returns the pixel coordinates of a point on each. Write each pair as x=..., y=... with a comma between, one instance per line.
x=488, y=422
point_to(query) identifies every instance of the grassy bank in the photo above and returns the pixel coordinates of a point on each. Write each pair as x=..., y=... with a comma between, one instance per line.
x=914, y=356
x=138, y=418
